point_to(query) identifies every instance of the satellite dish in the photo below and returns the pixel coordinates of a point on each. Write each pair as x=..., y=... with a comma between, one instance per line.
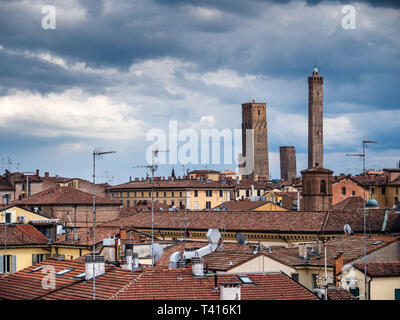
x=240, y=238
x=347, y=229
x=156, y=251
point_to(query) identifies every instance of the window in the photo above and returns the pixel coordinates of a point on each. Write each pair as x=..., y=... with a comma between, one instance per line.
x=247, y=193
x=134, y=194
x=208, y=205
x=172, y=202
x=196, y=193
x=37, y=269
x=39, y=258
x=128, y=194
x=355, y=292
x=353, y=193
x=258, y=193
x=245, y=279
x=396, y=294
x=180, y=194
x=79, y=276
x=172, y=194
x=8, y=263
x=295, y=277
x=128, y=203
x=323, y=187
x=314, y=280
x=157, y=194
x=397, y=190
x=196, y=205
x=149, y=194
x=344, y=191
x=165, y=195
x=383, y=190
x=208, y=193
x=120, y=194
x=220, y=193
x=8, y=217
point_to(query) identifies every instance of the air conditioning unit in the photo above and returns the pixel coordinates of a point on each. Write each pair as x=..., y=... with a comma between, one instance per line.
x=21, y=218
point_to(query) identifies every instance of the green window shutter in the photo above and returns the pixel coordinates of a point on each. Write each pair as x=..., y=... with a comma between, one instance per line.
x=14, y=263
x=1, y=263
x=396, y=294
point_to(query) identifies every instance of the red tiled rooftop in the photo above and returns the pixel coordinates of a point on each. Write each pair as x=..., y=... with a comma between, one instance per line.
x=350, y=203
x=22, y=234
x=64, y=196
x=339, y=294
x=380, y=269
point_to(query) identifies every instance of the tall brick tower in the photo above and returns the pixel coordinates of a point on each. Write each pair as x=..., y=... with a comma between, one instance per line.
x=288, y=163
x=254, y=116
x=315, y=120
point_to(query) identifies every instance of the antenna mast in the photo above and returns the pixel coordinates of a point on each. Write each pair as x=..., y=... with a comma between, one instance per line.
x=362, y=155
x=153, y=168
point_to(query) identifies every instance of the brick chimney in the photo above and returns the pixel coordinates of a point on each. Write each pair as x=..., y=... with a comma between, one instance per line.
x=122, y=233
x=47, y=174
x=230, y=290
x=37, y=172
x=338, y=264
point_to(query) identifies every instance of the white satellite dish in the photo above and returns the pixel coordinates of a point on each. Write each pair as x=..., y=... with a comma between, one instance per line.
x=347, y=229
x=156, y=251
x=240, y=238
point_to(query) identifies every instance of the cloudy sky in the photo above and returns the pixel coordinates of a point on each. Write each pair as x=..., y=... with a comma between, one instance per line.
x=113, y=70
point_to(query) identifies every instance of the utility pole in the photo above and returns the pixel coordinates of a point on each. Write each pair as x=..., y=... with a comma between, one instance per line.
x=96, y=153
x=362, y=155
x=153, y=167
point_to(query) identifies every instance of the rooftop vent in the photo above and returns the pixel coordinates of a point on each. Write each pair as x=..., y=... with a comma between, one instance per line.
x=94, y=263
x=230, y=290
x=198, y=266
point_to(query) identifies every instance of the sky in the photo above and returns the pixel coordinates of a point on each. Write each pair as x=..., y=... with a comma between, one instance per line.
x=109, y=72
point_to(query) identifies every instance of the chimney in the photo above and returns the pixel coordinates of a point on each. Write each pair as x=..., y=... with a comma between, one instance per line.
x=132, y=260
x=198, y=266
x=37, y=172
x=130, y=178
x=339, y=262
x=181, y=264
x=99, y=266
x=75, y=232
x=47, y=174
x=230, y=290
x=302, y=250
x=122, y=233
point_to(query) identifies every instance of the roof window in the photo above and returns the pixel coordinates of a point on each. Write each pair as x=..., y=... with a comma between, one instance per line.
x=62, y=272
x=245, y=279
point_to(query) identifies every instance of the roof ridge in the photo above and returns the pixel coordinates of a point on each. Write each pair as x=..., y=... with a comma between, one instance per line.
x=116, y=294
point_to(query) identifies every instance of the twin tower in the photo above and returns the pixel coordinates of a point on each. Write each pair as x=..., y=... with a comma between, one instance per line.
x=254, y=116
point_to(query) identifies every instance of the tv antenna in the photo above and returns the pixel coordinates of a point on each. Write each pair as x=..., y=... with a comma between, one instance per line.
x=153, y=168
x=98, y=153
x=363, y=156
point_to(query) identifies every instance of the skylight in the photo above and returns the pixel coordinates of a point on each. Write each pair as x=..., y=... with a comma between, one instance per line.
x=62, y=272
x=37, y=269
x=377, y=242
x=245, y=279
x=79, y=276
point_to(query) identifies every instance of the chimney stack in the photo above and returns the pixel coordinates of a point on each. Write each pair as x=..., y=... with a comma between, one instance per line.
x=198, y=266
x=339, y=262
x=122, y=233
x=37, y=172
x=99, y=266
x=230, y=290
x=47, y=174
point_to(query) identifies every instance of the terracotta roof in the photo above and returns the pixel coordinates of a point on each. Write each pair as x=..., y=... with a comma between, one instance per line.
x=350, y=203
x=216, y=263
x=339, y=294
x=171, y=184
x=144, y=205
x=64, y=196
x=246, y=184
x=262, y=221
x=4, y=185
x=22, y=234
x=179, y=284
x=85, y=237
x=287, y=193
x=26, y=285
x=351, y=245
x=380, y=269
x=241, y=205
x=225, y=260
x=203, y=171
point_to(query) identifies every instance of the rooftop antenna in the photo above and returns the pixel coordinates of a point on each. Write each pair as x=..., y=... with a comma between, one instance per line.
x=362, y=155
x=97, y=153
x=153, y=168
